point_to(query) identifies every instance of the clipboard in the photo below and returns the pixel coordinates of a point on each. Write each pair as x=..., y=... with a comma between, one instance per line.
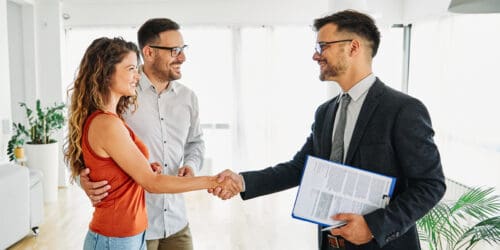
x=328, y=188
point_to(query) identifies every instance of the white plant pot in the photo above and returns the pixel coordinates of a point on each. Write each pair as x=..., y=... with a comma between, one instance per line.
x=46, y=158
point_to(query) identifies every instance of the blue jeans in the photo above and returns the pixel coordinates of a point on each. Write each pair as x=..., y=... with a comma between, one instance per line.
x=95, y=241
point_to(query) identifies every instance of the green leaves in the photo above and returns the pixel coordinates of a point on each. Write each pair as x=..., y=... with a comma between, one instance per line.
x=463, y=223
x=17, y=139
x=487, y=230
x=46, y=121
x=41, y=125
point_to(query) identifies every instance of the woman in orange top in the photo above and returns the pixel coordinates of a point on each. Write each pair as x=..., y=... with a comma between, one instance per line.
x=99, y=139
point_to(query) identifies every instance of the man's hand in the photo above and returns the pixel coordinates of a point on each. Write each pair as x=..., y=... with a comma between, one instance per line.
x=96, y=191
x=229, y=187
x=226, y=194
x=185, y=171
x=355, y=231
x=156, y=167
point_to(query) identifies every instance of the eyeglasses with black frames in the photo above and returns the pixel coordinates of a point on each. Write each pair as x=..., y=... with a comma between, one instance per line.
x=174, y=51
x=320, y=46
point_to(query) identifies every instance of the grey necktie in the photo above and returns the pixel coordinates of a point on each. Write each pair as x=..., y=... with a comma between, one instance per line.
x=337, y=153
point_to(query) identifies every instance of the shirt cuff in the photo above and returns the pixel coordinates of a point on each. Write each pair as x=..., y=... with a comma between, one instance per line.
x=243, y=182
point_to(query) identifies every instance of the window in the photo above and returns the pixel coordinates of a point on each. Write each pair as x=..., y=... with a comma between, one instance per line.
x=454, y=70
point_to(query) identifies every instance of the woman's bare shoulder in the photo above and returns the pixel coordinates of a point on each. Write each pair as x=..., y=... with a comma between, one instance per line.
x=104, y=124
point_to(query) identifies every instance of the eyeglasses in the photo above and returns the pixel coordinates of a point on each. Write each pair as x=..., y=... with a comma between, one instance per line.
x=320, y=46
x=174, y=51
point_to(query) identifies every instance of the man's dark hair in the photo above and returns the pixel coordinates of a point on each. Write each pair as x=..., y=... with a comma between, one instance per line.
x=353, y=22
x=151, y=29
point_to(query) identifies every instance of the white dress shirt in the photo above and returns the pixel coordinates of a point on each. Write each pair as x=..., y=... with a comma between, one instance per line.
x=169, y=125
x=358, y=95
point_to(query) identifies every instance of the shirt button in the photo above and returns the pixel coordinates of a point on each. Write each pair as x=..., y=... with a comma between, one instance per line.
x=165, y=164
x=164, y=141
x=165, y=210
x=161, y=118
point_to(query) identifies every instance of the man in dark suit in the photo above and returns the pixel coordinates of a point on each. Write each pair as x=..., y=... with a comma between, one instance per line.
x=375, y=128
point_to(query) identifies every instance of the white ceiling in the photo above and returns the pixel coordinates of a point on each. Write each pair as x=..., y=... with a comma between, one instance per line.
x=248, y=12
x=206, y=12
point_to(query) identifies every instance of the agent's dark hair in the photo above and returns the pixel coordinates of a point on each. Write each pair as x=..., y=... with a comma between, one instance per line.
x=150, y=31
x=353, y=22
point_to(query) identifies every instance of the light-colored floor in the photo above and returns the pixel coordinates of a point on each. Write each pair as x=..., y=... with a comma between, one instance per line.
x=262, y=223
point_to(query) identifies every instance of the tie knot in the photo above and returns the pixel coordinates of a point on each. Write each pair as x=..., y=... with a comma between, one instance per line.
x=345, y=98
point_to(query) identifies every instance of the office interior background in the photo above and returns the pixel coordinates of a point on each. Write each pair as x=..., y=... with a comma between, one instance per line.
x=250, y=63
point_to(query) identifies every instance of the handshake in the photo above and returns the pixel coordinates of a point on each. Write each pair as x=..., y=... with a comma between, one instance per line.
x=224, y=185
x=229, y=184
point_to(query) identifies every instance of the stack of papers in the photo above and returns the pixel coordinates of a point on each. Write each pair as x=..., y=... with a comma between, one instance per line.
x=328, y=188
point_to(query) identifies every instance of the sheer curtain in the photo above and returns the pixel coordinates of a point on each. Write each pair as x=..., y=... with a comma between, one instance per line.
x=388, y=63
x=454, y=70
x=279, y=92
x=77, y=40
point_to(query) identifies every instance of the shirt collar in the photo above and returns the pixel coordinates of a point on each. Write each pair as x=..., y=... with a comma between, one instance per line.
x=145, y=83
x=360, y=88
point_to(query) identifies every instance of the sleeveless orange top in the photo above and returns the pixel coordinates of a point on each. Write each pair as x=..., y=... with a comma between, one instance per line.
x=123, y=212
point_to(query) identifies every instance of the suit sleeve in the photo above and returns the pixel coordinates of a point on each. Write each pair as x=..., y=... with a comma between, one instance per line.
x=420, y=171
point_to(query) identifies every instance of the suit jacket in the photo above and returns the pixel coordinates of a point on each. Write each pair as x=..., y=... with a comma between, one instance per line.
x=392, y=136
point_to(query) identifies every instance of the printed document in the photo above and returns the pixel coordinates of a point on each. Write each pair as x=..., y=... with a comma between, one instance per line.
x=328, y=188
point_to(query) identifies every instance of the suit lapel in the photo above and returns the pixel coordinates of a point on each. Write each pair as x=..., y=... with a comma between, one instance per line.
x=326, y=139
x=370, y=104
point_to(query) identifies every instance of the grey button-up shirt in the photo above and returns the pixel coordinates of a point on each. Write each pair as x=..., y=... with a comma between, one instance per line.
x=169, y=125
x=358, y=95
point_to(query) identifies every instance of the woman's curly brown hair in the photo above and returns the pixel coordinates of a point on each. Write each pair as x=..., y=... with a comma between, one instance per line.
x=90, y=91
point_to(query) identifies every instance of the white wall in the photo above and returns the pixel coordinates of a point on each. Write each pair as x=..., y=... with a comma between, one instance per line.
x=22, y=41
x=29, y=45
x=5, y=113
x=16, y=60
x=49, y=62
x=4, y=63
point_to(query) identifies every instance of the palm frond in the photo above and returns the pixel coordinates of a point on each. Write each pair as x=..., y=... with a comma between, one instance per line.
x=464, y=222
x=478, y=203
x=487, y=230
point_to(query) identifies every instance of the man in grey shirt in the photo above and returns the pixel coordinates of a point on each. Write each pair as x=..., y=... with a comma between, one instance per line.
x=167, y=120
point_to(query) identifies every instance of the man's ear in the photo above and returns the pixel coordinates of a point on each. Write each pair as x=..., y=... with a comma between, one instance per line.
x=355, y=47
x=147, y=53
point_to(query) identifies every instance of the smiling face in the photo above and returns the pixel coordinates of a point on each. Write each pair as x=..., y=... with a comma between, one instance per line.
x=125, y=77
x=333, y=60
x=162, y=65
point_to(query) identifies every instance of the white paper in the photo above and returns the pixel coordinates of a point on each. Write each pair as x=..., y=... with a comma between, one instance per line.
x=329, y=188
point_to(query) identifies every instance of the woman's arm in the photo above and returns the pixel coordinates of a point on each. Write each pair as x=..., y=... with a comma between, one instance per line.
x=108, y=137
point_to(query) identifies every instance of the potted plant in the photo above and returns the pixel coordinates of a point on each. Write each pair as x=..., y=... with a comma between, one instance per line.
x=42, y=150
x=464, y=222
x=15, y=148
